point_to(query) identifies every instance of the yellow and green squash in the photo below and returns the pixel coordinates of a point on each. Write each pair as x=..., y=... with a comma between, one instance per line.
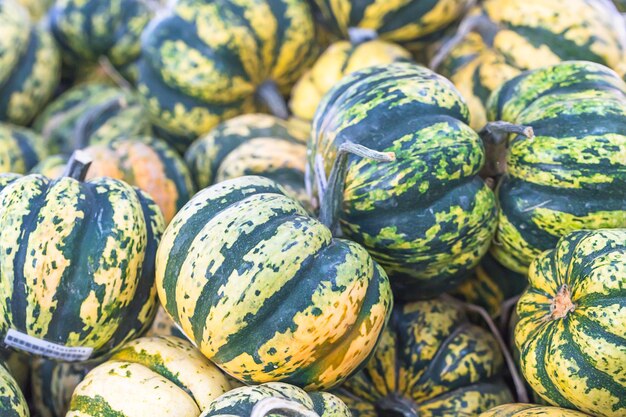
x=507, y=37
x=276, y=399
x=531, y=410
x=252, y=144
x=426, y=216
x=340, y=59
x=265, y=291
x=20, y=149
x=431, y=362
x=90, y=114
x=208, y=61
x=77, y=259
x=572, y=322
x=29, y=65
x=150, y=376
x=12, y=401
x=572, y=173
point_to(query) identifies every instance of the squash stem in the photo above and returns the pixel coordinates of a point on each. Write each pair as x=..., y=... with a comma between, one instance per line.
x=395, y=406
x=476, y=23
x=287, y=408
x=358, y=36
x=495, y=139
x=332, y=197
x=78, y=165
x=270, y=95
x=85, y=124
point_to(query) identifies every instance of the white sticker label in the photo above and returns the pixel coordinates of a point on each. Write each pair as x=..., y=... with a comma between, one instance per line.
x=50, y=350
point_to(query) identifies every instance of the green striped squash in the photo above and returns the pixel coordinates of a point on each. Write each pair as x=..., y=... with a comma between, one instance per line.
x=20, y=149
x=252, y=144
x=572, y=174
x=29, y=65
x=431, y=362
x=89, y=114
x=52, y=385
x=146, y=162
x=409, y=22
x=87, y=30
x=511, y=36
x=531, y=410
x=340, y=59
x=12, y=401
x=571, y=327
x=150, y=376
x=282, y=399
x=265, y=291
x=490, y=285
x=208, y=61
x=19, y=366
x=77, y=259
x=426, y=217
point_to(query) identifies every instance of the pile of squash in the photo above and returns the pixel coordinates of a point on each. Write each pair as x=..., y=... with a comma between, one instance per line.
x=312, y=208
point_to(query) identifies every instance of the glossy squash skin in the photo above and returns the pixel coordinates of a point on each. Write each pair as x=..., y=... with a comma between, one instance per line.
x=254, y=144
x=242, y=259
x=20, y=149
x=531, y=410
x=519, y=35
x=52, y=385
x=145, y=162
x=102, y=111
x=12, y=401
x=431, y=362
x=408, y=22
x=570, y=333
x=340, y=59
x=164, y=376
x=29, y=65
x=240, y=402
x=89, y=30
x=572, y=174
x=206, y=61
x=426, y=217
x=77, y=260
x=490, y=285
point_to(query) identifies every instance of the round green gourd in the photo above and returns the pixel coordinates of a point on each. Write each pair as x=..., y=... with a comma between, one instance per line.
x=77, y=259
x=52, y=384
x=252, y=144
x=265, y=291
x=411, y=23
x=431, y=361
x=208, y=61
x=276, y=398
x=571, y=174
x=150, y=376
x=570, y=333
x=90, y=114
x=12, y=401
x=20, y=149
x=87, y=30
x=29, y=65
x=426, y=217
x=531, y=410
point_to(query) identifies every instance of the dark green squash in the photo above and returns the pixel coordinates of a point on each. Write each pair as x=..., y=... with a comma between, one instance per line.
x=431, y=362
x=208, y=61
x=426, y=216
x=265, y=291
x=20, y=149
x=572, y=173
x=29, y=65
x=12, y=401
x=77, y=259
